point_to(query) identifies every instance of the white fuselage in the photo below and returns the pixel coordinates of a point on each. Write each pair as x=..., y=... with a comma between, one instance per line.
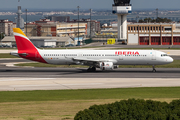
x=118, y=57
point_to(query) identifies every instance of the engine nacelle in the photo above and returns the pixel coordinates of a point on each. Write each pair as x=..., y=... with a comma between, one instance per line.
x=106, y=66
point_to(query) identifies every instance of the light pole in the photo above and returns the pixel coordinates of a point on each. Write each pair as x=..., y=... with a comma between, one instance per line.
x=137, y=18
x=1, y=38
x=90, y=22
x=26, y=20
x=78, y=23
x=157, y=15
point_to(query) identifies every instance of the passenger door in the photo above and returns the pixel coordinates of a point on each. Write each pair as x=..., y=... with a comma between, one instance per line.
x=120, y=57
x=153, y=55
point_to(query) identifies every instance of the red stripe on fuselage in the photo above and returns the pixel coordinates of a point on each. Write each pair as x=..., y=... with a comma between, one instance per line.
x=25, y=46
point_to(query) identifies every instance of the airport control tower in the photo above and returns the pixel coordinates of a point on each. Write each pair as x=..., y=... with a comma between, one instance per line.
x=122, y=8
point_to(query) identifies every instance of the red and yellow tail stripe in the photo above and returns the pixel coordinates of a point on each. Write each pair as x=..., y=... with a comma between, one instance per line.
x=26, y=49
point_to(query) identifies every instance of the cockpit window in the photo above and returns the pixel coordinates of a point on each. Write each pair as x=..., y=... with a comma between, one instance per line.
x=162, y=55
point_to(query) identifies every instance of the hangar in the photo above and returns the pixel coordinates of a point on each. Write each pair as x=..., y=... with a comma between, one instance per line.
x=41, y=41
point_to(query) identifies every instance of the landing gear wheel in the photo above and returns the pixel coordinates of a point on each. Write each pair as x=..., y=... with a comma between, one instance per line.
x=93, y=69
x=154, y=70
x=89, y=70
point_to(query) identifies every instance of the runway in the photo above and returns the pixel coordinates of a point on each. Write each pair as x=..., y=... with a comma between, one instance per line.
x=22, y=78
x=82, y=73
x=20, y=84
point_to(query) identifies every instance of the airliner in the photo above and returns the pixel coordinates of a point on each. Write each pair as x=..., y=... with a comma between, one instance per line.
x=103, y=59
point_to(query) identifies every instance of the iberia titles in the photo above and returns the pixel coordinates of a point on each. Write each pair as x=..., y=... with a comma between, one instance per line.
x=126, y=53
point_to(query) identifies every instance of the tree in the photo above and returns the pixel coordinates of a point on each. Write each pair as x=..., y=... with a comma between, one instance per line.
x=132, y=109
x=2, y=35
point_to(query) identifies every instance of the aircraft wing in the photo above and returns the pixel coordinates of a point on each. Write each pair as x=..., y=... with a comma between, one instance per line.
x=93, y=60
x=85, y=59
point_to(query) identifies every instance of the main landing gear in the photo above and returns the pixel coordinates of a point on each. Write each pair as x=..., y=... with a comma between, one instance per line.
x=91, y=69
x=154, y=70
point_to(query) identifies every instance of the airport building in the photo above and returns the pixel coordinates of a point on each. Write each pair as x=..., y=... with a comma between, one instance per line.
x=42, y=41
x=43, y=27
x=59, y=18
x=46, y=27
x=71, y=29
x=153, y=34
x=147, y=33
x=6, y=27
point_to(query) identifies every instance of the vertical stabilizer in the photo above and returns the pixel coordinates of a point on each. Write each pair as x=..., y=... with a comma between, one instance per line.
x=22, y=42
x=25, y=47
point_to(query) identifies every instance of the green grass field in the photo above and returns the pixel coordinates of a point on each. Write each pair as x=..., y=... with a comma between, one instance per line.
x=174, y=64
x=64, y=104
x=89, y=94
x=7, y=55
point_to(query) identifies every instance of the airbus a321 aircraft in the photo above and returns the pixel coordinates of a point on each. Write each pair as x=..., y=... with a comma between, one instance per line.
x=103, y=59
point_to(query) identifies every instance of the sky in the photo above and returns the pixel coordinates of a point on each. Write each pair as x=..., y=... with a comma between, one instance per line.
x=87, y=4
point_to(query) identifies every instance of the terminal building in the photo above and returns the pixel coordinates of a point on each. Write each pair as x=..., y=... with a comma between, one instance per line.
x=153, y=34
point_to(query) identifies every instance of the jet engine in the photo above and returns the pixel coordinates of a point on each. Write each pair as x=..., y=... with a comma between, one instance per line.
x=106, y=66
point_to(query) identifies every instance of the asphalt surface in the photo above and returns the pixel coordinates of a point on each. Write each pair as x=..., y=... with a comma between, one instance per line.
x=82, y=73
x=14, y=60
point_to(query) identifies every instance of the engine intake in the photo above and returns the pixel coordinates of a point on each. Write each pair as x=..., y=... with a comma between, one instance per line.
x=106, y=66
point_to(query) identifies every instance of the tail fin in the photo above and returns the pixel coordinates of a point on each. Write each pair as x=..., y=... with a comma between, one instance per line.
x=22, y=42
x=26, y=49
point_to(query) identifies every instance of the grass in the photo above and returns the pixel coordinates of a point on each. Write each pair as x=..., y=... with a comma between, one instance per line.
x=7, y=55
x=64, y=104
x=174, y=64
x=61, y=95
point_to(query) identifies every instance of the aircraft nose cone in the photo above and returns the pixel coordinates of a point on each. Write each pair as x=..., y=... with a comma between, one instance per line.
x=170, y=60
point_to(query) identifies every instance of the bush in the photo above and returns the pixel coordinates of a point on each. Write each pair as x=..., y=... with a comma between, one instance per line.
x=132, y=109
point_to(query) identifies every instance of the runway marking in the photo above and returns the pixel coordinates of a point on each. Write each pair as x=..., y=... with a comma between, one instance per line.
x=24, y=79
x=33, y=85
x=85, y=84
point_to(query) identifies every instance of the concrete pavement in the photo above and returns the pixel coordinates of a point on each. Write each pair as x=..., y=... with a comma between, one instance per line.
x=19, y=84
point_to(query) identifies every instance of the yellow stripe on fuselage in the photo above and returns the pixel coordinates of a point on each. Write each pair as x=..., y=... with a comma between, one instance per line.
x=18, y=30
